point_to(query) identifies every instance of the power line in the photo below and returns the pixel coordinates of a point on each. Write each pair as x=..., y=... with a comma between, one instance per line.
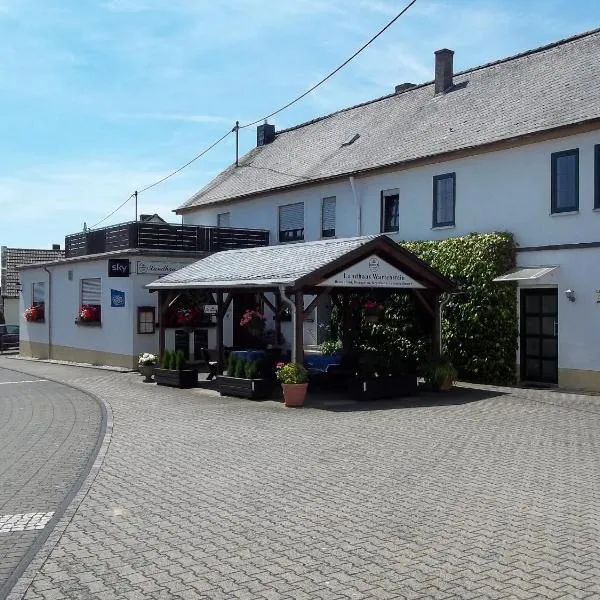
x=187, y=164
x=276, y=112
x=113, y=212
x=162, y=180
x=314, y=87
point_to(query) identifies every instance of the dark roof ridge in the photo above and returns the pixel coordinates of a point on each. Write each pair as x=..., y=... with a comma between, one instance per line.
x=529, y=52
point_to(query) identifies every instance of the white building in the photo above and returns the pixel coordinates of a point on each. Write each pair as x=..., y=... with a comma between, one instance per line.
x=509, y=146
x=106, y=270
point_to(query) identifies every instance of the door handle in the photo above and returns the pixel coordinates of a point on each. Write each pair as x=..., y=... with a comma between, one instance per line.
x=555, y=328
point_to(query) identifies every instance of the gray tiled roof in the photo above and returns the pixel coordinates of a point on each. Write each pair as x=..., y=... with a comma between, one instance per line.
x=267, y=266
x=543, y=89
x=11, y=258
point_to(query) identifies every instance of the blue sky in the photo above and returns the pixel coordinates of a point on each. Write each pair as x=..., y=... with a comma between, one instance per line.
x=101, y=97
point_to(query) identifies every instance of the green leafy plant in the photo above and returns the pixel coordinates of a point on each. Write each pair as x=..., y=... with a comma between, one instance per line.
x=439, y=372
x=330, y=347
x=165, y=359
x=291, y=373
x=180, y=362
x=240, y=368
x=231, y=362
x=250, y=369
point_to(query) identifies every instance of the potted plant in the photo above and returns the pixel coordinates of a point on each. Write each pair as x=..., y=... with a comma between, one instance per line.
x=373, y=311
x=254, y=322
x=440, y=374
x=146, y=362
x=294, y=382
x=89, y=313
x=245, y=379
x=35, y=313
x=173, y=371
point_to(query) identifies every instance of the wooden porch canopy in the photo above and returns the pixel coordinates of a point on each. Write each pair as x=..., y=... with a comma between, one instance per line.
x=292, y=271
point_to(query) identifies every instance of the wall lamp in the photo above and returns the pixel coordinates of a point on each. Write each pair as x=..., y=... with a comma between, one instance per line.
x=570, y=294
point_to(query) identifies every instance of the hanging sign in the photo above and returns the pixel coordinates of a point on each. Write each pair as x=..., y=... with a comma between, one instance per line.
x=117, y=299
x=146, y=267
x=372, y=272
x=118, y=267
x=210, y=309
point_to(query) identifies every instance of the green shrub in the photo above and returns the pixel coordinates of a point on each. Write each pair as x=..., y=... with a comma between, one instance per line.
x=330, y=347
x=231, y=361
x=165, y=359
x=292, y=373
x=250, y=369
x=180, y=362
x=240, y=368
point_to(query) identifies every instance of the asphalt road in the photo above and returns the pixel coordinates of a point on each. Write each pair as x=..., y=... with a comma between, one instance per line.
x=48, y=436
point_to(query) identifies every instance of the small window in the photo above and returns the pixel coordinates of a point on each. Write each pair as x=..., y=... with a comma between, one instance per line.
x=38, y=294
x=91, y=300
x=565, y=181
x=390, y=207
x=146, y=319
x=444, y=198
x=328, y=217
x=291, y=222
x=597, y=176
x=224, y=219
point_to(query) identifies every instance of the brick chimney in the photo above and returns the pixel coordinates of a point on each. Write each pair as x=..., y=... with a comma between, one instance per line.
x=444, y=70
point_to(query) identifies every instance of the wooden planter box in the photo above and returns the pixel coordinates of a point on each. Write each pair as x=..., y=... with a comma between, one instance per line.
x=253, y=389
x=186, y=378
x=385, y=387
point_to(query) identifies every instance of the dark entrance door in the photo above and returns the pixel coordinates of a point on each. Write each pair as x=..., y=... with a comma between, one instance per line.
x=539, y=335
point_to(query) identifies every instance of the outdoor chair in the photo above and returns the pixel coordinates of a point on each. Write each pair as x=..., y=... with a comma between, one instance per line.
x=213, y=365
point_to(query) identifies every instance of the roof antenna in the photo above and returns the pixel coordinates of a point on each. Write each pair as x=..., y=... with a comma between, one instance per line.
x=236, y=129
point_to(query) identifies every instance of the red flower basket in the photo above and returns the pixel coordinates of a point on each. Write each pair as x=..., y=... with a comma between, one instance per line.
x=89, y=313
x=34, y=313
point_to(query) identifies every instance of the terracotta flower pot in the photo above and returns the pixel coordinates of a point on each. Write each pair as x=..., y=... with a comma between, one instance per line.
x=294, y=393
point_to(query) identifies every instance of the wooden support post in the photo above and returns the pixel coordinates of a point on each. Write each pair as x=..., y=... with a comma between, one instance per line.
x=220, y=348
x=437, y=326
x=161, y=322
x=298, y=327
x=277, y=319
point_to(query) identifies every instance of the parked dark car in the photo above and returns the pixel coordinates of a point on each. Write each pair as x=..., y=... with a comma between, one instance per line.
x=9, y=337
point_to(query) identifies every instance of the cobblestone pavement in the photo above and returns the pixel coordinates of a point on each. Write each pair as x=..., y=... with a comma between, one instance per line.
x=490, y=493
x=47, y=433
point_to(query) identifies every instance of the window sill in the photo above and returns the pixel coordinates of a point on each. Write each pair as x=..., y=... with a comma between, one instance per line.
x=436, y=227
x=566, y=213
x=596, y=210
x=89, y=323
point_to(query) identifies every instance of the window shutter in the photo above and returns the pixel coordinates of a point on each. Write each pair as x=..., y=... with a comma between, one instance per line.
x=224, y=219
x=39, y=293
x=291, y=217
x=91, y=291
x=328, y=216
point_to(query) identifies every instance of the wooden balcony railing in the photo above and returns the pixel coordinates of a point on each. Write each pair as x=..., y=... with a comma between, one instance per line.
x=158, y=236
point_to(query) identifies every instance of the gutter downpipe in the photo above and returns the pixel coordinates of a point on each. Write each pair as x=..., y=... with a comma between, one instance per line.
x=358, y=207
x=49, y=315
x=292, y=307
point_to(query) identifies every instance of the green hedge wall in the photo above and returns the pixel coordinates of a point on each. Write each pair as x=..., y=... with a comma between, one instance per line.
x=480, y=326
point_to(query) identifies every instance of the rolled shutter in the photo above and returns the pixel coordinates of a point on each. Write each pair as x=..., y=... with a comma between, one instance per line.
x=328, y=217
x=291, y=217
x=91, y=291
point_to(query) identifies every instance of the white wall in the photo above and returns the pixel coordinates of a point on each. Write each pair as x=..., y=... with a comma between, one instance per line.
x=579, y=321
x=507, y=190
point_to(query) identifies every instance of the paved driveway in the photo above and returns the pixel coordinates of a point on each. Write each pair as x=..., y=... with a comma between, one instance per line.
x=493, y=494
x=47, y=434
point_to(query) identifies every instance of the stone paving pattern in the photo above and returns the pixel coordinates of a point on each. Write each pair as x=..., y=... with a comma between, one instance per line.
x=47, y=433
x=491, y=493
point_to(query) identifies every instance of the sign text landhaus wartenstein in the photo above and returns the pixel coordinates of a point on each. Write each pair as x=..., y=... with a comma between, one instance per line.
x=372, y=272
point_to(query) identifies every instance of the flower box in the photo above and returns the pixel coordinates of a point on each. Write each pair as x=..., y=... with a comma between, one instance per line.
x=185, y=378
x=380, y=388
x=253, y=389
